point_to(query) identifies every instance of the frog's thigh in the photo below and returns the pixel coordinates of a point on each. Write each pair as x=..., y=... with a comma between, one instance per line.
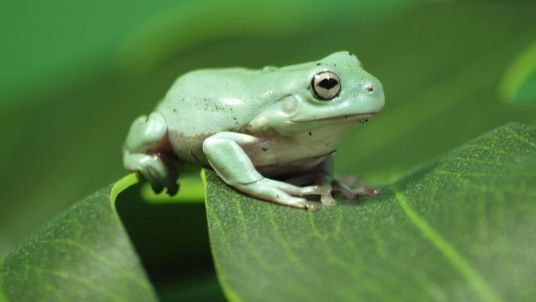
x=147, y=132
x=226, y=156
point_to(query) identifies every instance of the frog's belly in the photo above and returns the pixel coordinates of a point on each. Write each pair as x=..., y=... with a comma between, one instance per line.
x=290, y=168
x=272, y=157
x=282, y=157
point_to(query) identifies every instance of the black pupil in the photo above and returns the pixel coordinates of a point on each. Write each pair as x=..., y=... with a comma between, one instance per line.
x=328, y=83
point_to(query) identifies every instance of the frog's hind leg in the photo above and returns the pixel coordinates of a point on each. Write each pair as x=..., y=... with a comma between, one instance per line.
x=145, y=151
x=322, y=175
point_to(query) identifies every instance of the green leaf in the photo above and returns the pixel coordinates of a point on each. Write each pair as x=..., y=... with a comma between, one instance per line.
x=519, y=84
x=86, y=254
x=82, y=255
x=461, y=229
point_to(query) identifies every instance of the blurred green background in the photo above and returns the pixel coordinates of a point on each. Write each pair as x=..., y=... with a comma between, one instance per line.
x=73, y=75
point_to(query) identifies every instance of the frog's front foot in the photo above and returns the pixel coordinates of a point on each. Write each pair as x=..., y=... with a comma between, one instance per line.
x=280, y=192
x=226, y=156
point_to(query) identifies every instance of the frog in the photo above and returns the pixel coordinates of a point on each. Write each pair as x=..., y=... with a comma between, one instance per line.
x=269, y=133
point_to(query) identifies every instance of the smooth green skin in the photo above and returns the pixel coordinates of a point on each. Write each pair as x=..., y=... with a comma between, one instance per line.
x=249, y=125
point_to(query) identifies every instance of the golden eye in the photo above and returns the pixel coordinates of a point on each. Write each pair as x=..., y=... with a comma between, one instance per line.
x=326, y=85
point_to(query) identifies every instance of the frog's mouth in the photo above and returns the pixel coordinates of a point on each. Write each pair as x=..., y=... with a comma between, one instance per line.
x=340, y=118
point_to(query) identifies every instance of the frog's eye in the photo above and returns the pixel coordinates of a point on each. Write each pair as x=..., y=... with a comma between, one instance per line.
x=326, y=85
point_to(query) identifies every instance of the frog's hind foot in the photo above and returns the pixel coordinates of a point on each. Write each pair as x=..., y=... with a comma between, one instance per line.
x=353, y=188
x=322, y=187
x=154, y=170
x=324, y=191
x=144, y=152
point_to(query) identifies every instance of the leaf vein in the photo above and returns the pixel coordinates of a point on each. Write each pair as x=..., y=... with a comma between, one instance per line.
x=463, y=266
x=136, y=279
x=292, y=254
x=376, y=287
x=83, y=281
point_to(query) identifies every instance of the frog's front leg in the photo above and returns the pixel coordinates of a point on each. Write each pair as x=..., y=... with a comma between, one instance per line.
x=226, y=156
x=143, y=152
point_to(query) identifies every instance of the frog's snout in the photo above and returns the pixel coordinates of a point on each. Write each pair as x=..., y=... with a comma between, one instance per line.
x=369, y=87
x=372, y=86
x=374, y=90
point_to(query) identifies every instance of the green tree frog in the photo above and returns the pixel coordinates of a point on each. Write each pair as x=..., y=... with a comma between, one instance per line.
x=268, y=133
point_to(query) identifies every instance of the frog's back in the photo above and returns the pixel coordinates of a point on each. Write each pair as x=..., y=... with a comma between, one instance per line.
x=209, y=101
x=204, y=102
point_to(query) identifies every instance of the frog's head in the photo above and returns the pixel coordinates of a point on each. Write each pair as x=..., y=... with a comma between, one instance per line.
x=339, y=89
x=333, y=90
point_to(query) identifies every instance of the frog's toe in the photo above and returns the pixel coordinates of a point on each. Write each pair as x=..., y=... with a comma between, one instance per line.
x=327, y=199
x=310, y=206
x=153, y=179
x=355, y=193
x=172, y=189
x=154, y=170
x=373, y=192
x=158, y=184
x=324, y=191
x=155, y=184
x=277, y=192
x=311, y=190
x=298, y=202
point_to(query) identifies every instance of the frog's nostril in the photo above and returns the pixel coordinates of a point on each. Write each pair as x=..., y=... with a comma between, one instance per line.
x=370, y=88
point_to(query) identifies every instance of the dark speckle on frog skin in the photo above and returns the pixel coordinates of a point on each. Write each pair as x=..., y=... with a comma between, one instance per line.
x=264, y=149
x=318, y=64
x=310, y=133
